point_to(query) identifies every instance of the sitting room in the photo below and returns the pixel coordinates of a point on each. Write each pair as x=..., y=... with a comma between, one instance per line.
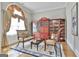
x=39, y=29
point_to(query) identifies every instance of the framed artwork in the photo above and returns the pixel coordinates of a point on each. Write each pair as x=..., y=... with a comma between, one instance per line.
x=74, y=15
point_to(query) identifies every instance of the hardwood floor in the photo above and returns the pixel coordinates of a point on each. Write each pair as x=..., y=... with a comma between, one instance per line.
x=67, y=51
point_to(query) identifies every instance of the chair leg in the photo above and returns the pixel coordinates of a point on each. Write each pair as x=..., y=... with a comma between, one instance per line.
x=55, y=50
x=60, y=51
x=37, y=47
x=45, y=45
x=18, y=44
x=31, y=45
x=23, y=42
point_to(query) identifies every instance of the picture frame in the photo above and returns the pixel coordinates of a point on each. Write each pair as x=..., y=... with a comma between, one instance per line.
x=74, y=17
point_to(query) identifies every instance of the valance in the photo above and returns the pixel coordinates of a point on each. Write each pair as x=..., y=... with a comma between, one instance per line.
x=11, y=8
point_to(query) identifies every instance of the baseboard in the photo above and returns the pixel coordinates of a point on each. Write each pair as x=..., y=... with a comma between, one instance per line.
x=70, y=46
x=10, y=44
x=77, y=53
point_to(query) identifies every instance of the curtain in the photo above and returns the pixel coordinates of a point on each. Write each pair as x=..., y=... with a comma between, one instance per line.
x=24, y=14
x=25, y=24
x=7, y=21
x=11, y=9
x=6, y=27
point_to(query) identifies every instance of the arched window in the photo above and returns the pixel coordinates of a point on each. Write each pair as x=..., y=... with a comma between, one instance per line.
x=13, y=19
x=17, y=20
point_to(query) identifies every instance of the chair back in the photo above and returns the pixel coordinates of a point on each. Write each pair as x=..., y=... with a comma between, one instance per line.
x=44, y=28
x=22, y=33
x=44, y=32
x=37, y=36
x=58, y=34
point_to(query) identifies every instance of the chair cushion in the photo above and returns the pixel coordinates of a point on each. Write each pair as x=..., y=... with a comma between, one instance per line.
x=22, y=33
x=50, y=42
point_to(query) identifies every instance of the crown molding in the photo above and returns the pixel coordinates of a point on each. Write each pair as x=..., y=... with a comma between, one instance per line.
x=49, y=9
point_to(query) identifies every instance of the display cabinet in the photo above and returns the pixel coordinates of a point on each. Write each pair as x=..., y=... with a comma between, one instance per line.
x=55, y=25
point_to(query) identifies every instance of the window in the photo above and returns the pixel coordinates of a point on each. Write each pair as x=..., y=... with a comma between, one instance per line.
x=15, y=24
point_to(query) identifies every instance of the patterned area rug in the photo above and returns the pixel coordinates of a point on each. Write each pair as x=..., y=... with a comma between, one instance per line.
x=50, y=50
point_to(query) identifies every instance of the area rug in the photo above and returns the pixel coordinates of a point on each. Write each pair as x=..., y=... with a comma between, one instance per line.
x=50, y=50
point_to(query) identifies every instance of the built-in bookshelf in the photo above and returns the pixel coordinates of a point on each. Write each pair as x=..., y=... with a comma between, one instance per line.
x=55, y=25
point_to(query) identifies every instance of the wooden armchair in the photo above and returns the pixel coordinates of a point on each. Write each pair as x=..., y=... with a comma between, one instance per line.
x=54, y=39
x=23, y=36
x=51, y=42
x=37, y=40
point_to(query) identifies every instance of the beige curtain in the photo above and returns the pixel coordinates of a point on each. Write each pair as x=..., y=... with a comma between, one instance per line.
x=6, y=27
x=25, y=24
x=25, y=19
x=10, y=9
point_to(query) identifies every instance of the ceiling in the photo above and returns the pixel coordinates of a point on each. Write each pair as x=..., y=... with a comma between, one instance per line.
x=43, y=6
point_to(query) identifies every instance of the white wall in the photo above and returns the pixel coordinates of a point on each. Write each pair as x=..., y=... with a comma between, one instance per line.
x=71, y=40
x=52, y=14
x=1, y=31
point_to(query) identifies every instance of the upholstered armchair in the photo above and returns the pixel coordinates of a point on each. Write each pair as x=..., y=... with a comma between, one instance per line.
x=54, y=39
x=36, y=36
x=55, y=36
x=23, y=36
x=51, y=41
x=37, y=40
